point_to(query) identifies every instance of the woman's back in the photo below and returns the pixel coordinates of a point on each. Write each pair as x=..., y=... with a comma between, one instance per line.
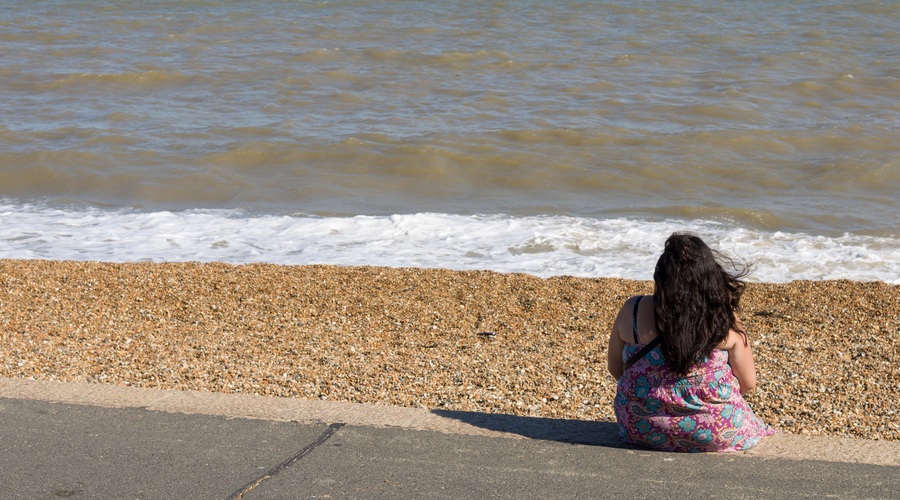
x=682, y=358
x=660, y=408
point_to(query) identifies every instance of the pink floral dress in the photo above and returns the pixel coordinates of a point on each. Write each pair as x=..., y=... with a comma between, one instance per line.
x=703, y=411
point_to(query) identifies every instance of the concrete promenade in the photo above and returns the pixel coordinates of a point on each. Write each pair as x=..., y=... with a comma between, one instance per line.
x=76, y=440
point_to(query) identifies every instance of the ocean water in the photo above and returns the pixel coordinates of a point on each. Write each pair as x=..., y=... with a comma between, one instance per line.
x=551, y=138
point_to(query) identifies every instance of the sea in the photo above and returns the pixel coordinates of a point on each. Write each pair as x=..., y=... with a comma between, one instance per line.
x=554, y=138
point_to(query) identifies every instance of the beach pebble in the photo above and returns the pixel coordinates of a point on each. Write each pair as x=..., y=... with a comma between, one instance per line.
x=479, y=341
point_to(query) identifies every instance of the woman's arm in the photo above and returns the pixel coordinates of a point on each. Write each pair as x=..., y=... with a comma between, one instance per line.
x=614, y=352
x=740, y=358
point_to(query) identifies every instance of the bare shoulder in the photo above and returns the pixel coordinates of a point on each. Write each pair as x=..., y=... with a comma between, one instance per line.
x=646, y=323
x=628, y=306
x=734, y=337
x=732, y=340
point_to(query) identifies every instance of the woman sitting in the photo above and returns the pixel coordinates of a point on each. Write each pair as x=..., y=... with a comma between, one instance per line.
x=682, y=359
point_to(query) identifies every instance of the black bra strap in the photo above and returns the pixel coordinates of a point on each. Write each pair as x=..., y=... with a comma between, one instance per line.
x=640, y=354
x=634, y=317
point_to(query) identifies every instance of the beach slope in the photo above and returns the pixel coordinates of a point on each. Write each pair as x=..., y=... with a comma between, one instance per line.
x=474, y=341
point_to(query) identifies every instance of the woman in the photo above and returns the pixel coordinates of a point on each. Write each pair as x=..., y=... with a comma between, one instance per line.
x=682, y=359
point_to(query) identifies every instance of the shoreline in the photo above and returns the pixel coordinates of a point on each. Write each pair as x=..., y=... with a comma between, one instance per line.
x=411, y=337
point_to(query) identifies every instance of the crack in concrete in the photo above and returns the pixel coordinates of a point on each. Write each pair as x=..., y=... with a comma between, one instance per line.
x=325, y=436
x=315, y=412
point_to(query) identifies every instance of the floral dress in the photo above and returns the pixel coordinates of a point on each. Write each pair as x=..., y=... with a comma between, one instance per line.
x=703, y=411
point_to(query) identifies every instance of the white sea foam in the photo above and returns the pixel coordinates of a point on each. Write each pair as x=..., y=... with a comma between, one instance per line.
x=543, y=246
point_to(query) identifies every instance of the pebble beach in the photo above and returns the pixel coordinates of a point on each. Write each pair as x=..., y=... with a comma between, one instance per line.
x=478, y=341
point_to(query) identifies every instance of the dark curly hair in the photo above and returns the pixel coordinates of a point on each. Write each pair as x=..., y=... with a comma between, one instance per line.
x=694, y=300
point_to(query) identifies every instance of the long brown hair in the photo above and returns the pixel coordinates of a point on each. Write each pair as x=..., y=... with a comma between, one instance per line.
x=694, y=301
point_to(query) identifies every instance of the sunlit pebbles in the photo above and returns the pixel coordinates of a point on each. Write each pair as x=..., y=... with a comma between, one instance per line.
x=469, y=341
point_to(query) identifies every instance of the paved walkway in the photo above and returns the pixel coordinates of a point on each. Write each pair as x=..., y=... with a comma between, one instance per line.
x=73, y=440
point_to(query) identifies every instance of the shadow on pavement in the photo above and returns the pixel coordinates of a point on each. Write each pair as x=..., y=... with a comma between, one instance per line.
x=548, y=429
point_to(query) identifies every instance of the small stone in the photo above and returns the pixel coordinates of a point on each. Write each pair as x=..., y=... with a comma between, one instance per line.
x=410, y=337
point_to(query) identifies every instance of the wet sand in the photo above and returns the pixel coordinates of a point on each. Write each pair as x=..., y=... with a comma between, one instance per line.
x=415, y=337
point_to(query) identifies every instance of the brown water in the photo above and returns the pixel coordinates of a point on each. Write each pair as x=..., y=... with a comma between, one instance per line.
x=770, y=116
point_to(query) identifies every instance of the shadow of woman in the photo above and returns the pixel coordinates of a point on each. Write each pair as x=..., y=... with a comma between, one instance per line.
x=587, y=432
